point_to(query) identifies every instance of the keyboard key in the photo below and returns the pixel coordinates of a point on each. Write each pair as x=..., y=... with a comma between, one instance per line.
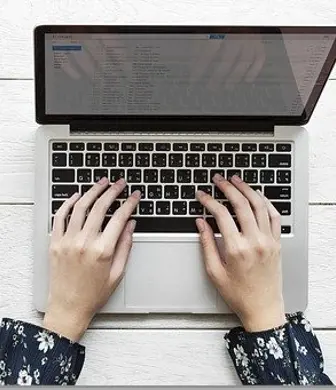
x=151, y=176
x=64, y=191
x=139, y=187
x=114, y=207
x=77, y=146
x=214, y=171
x=125, y=193
x=55, y=205
x=284, y=208
x=180, y=208
x=116, y=174
x=167, y=175
x=85, y=188
x=266, y=147
x=165, y=225
x=231, y=147
x=109, y=159
x=125, y=160
x=76, y=159
x=162, y=208
x=231, y=172
x=63, y=175
x=255, y=188
x=277, y=192
x=196, y=208
x=200, y=176
x=197, y=147
x=99, y=173
x=59, y=159
x=84, y=175
x=225, y=160
x=182, y=147
x=285, y=229
x=242, y=160
x=249, y=147
x=162, y=147
x=250, y=176
x=159, y=160
x=142, y=160
x=213, y=224
x=128, y=146
x=192, y=160
x=59, y=146
x=209, y=160
x=216, y=147
x=154, y=192
x=146, y=147
x=279, y=160
x=92, y=159
x=176, y=160
x=283, y=176
x=146, y=208
x=258, y=160
x=283, y=147
x=111, y=146
x=267, y=176
x=207, y=189
x=183, y=175
x=219, y=194
x=134, y=175
x=92, y=146
x=171, y=192
x=188, y=192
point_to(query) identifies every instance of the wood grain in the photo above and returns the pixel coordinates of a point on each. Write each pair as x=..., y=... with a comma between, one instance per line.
x=16, y=276
x=17, y=22
x=17, y=132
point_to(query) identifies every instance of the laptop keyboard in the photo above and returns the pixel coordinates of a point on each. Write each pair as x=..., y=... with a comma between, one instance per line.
x=168, y=176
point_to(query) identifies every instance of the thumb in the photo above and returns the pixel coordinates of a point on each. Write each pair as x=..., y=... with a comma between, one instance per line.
x=211, y=257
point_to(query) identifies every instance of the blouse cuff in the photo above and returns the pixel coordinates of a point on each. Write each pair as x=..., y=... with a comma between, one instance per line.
x=32, y=355
x=289, y=354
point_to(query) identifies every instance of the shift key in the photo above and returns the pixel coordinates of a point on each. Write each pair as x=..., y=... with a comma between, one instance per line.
x=277, y=192
x=64, y=191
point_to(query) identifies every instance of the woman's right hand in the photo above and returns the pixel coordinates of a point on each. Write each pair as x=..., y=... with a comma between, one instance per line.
x=86, y=264
x=246, y=265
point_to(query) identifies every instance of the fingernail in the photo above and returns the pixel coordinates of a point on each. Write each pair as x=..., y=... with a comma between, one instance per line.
x=120, y=181
x=136, y=194
x=218, y=177
x=200, y=193
x=236, y=179
x=260, y=193
x=132, y=225
x=200, y=224
x=103, y=180
x=75, y=195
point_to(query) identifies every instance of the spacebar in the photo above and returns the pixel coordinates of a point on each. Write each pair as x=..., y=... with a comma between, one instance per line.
x=165, y=224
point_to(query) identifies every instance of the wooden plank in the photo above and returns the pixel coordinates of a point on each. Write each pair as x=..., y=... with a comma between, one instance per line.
x=169, y=357
x=16, y=45
x=16, y=276
x=17, y=131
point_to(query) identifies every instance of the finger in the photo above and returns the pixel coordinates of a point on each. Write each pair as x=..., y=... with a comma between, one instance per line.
x=225, y=222
x=258, y=63
x=61, y=216
x=117, y=223
x=258, y=204
x=240, y=204
x=274, y=217
x=121, y=255
x=98, y=212
x=211, y=257
x=244, y=63
x=79, y=213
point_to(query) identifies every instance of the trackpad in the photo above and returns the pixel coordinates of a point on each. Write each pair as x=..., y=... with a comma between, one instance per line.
x=164, y=276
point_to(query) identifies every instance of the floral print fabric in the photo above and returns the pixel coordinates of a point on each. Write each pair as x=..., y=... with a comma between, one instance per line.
x=31, y=355
x=288, y=355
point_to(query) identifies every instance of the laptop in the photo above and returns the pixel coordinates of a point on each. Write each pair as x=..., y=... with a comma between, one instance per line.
x=167, y=107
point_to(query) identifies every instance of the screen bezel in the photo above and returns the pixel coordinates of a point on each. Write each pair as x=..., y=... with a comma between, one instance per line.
x=39, y=56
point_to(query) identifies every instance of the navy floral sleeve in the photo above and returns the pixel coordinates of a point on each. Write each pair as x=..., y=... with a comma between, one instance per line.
x=31, y=355
x=288, y=355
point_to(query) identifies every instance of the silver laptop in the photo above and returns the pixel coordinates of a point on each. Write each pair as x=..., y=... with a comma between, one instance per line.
x=167, y=107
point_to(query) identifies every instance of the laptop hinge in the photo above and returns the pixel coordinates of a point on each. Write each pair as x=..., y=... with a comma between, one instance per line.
x=170, y=125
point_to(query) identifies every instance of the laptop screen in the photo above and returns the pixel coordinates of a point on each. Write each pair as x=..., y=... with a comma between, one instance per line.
x=206, y=73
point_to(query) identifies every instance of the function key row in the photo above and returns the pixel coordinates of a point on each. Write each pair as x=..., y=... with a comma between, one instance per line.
x=166, y=147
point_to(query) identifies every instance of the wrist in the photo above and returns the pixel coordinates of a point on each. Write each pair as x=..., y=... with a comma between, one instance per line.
x=262, y=321
x=69, y=325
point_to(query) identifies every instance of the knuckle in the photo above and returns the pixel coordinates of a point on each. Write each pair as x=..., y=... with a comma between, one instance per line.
x=275, y=216
x=80, y=207
x=54, y=249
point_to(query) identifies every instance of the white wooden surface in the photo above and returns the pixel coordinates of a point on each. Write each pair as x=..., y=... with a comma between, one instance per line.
x=156, y=349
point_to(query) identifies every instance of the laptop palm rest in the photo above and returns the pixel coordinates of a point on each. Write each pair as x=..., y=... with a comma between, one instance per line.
x=170, y=277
